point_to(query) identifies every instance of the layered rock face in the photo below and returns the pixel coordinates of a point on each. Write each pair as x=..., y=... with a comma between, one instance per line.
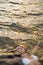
x=21, y=21
x=21, y=11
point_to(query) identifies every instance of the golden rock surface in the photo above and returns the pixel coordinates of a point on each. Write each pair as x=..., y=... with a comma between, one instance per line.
x=21, y=22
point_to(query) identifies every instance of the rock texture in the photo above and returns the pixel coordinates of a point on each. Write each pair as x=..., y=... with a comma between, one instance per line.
x=21, y=21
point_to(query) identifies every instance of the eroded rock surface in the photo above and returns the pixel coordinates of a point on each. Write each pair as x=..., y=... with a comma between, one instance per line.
x=21, y=21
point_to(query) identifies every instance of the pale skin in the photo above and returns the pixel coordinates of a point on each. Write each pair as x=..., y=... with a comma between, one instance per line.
x=21, y=50
x=23, y=53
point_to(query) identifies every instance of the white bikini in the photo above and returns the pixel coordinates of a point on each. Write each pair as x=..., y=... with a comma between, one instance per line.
x=35, y=57
x=26, y=61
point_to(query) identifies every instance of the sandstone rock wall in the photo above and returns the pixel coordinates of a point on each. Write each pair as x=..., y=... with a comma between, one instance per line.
x=21, y=20
x=30, y=11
